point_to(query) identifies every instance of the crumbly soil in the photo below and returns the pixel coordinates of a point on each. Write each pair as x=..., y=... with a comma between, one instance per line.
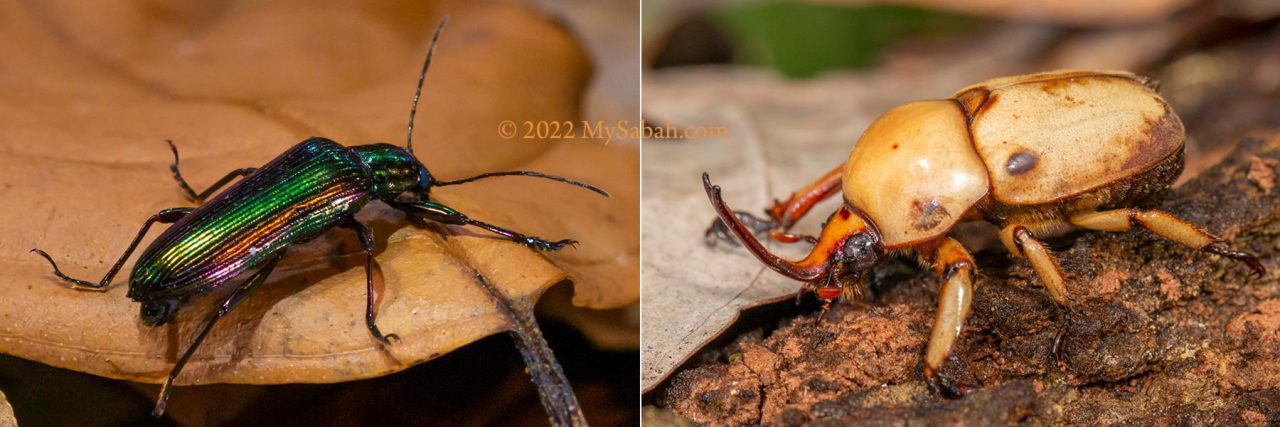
x=1164, y=335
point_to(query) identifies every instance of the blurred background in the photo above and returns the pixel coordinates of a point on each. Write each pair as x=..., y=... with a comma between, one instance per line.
x=1220, y=53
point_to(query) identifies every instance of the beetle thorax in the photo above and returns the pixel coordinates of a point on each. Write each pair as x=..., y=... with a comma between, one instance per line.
x=394, y=169
x=914, y=172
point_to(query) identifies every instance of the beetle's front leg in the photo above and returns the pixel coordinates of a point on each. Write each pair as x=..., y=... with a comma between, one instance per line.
x=787, y=213
x=783, y=214
x=191, y=193
x=955, y=266
x=370, y=310
x=446, y=215
x=167, y=216
x=720, y=232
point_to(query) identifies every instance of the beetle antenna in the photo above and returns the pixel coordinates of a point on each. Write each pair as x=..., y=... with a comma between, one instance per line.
x=525, y=173
x=413, y=111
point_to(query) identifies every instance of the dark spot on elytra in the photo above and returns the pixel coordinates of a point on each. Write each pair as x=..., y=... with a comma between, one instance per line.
x=844, y=214
x=1021, y=162
x=895, y=146
x=926, y=214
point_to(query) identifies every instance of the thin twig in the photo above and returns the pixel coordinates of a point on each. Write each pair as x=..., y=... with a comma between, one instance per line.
x=553, y=388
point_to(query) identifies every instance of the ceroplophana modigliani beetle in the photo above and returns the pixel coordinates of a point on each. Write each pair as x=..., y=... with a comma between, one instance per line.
x=1032, y=154
x=316, y=185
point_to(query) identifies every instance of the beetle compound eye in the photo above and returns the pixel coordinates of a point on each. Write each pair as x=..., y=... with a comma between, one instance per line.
x=859, y=251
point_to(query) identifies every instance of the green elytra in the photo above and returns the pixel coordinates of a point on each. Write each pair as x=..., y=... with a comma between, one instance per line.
x=314, y=186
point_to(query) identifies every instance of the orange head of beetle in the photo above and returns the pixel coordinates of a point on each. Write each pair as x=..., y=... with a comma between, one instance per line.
x=848, y=247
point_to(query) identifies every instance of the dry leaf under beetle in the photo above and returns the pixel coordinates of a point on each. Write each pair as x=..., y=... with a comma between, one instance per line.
x=85, y=108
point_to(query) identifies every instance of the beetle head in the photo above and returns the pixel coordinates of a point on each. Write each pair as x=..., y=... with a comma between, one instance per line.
x=861, y=250
x=848, y=247
x=394, y=169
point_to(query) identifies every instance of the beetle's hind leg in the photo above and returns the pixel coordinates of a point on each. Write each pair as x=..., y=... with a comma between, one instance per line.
x=366, y=240
x=447, y=215
x=167, y=216
x=237, y=296
x=1167, y=226
x=953, y=264
x=191, y=193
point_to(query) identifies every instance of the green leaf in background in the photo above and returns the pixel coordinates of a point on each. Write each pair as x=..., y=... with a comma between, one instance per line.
x=801, y=40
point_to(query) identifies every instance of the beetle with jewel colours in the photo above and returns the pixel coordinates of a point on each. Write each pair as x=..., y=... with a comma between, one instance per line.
x=313, y=187
x=1033, y=154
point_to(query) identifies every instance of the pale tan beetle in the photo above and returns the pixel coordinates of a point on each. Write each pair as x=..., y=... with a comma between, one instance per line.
x=1033, y=154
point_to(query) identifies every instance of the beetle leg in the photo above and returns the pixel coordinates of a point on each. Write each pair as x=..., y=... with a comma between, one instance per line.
x=370, y=310
x=955, y=266
x=167, y=216
x=1167, y=226
x=1022, y=243
x=720, y=232
x=186, y=188
x=237, y=296
x=447, y=215
x=783, y=214
x=787, y=213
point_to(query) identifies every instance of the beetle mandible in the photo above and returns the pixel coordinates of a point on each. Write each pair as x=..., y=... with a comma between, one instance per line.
x=316, y=185
x=1033, y=154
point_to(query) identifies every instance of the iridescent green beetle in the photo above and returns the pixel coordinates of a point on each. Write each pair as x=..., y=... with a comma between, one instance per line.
x=314, y=186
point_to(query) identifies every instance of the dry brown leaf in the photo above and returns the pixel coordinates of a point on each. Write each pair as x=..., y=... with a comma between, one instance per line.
x=610, y=29
x=86, y=103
